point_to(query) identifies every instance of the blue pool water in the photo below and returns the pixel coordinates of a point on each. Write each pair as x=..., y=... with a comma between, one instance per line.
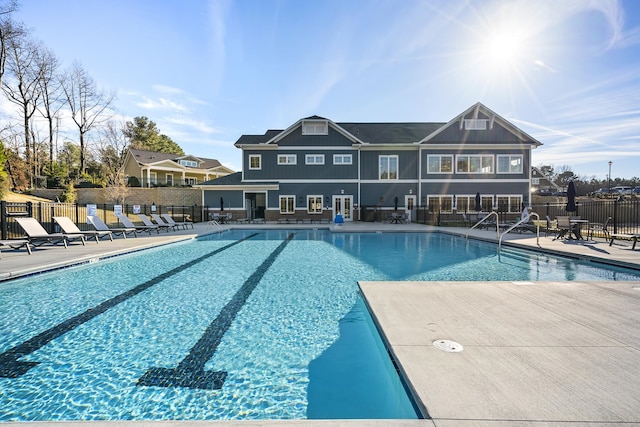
x=243, y=325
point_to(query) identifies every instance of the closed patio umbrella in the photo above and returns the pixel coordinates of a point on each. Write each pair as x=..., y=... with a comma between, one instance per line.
x=571, y=198
x=478, y=207
x=395, y=203
x=221, y=204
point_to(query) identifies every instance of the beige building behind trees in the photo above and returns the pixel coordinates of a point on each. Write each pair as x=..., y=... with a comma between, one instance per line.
x=153, y=169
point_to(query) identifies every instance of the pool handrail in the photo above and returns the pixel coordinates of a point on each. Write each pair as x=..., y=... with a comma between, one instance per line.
x=483, y=220
x=216, y=225
x=522, y=221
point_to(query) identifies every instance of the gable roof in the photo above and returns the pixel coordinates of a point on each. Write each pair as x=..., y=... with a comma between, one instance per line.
x=395, y=133
x=454, y=128
x=145, y=157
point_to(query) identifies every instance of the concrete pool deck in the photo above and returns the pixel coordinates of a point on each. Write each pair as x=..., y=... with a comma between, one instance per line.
x=534, y=353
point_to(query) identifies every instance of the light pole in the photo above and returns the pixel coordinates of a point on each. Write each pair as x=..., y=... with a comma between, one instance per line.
x=609, y=191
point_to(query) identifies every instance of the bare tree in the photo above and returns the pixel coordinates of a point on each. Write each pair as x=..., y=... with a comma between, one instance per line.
x=114, y=145
x=8, y=30
x=52, y=99
x=88, y=105
x=23, y=87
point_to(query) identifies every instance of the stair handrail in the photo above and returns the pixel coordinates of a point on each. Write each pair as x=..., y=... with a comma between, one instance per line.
x=522, y=221
x=483, y=220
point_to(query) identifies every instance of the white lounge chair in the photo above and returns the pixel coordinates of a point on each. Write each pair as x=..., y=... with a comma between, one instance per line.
x=139, y=228
x=169, y=220
x=15, y=244
x=37, y=235
x=68, y=227
x=147, y=222
x=99, y=225
x=158, y=219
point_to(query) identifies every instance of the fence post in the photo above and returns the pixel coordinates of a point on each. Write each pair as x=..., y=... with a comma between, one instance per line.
x=3, y=218
x=615, y=216
x=77, y=213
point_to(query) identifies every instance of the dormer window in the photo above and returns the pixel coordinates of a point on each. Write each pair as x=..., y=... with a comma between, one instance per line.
x=315, y=127
x=188, y=163
x=475, y=124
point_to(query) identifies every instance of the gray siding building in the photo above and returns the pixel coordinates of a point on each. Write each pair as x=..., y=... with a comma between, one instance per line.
x=317, y=168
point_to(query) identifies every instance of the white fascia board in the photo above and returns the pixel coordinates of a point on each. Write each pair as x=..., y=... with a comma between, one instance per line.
x=311, y=148
x=475, y=181
x=318, y=181
x=238, y=187
x=294, y=126
x=438, y=147
x=391, y=181
x=494, y=117
x=391, y=147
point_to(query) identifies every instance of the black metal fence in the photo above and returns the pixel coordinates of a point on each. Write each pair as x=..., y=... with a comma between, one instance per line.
x=624, y=214
x=45, y=211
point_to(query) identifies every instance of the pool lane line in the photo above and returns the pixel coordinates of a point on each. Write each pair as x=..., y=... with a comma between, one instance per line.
x=190, y=371
x=10, y=367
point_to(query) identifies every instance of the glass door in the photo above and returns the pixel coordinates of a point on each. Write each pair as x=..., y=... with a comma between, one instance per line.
x=343, y=205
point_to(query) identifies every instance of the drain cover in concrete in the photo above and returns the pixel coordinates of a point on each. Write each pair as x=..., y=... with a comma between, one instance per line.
x=448, y=346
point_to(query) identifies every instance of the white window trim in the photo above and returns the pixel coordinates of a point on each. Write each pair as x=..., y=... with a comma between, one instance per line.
x=284, y=196
x=481, y=156
x=168, y=179
x=343, y=157
x=440, y=197
x=511, y=208
x=475, y=124
x=317, y=197
x=389, y=157
x=509, y=156
x=285, y=159
x=255, y=156
x=440, y=156
x=315, y=127
x=314, y=157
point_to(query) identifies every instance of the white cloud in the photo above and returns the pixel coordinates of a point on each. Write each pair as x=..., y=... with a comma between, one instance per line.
x=161, y=104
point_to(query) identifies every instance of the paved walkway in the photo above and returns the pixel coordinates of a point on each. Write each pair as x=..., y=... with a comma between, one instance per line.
x=533, y=354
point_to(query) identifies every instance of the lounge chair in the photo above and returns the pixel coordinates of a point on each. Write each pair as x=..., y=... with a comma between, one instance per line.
x=16, y=244
x=158, y=219
x=38, y=236
x=99, y=225
x=147, y=222
x=600, y=229
x=169, y=220
x=68, y=227
x=139, y=228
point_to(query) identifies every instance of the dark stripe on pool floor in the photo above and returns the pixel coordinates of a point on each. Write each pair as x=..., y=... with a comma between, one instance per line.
x=10, y=367
x=190, y=371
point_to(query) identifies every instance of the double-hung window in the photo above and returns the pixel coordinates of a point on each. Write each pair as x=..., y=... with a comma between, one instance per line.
x=342, y=159
x=314, y=204
x=509, y=163
x=287, y=204
x=443, y=204
x=287, y=159
x=474, y=163
x=255, y=161
x=388, y=167
x=440, y=163
x=314, y=159
x=510, y=203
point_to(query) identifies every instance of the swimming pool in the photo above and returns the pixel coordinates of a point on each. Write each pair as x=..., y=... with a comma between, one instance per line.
x=248, y=324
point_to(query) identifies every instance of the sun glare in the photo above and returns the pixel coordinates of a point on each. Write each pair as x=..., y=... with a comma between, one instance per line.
x=503, y=48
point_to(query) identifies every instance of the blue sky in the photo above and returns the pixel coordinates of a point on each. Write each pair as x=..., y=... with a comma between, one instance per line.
x=566, y=72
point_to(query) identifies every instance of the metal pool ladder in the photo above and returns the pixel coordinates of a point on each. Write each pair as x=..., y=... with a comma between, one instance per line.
x=522, y=221
x=483, y=220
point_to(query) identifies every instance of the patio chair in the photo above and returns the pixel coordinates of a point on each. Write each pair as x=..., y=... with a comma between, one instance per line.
x=68, y=227
x=139, y=228
x=99, y=225
x=184, y=224
x=38, y=236
x=15, y=244
x=147, y=222
x=161, y=222
x=600, y=229
x=552, y=227
x=564, y=227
